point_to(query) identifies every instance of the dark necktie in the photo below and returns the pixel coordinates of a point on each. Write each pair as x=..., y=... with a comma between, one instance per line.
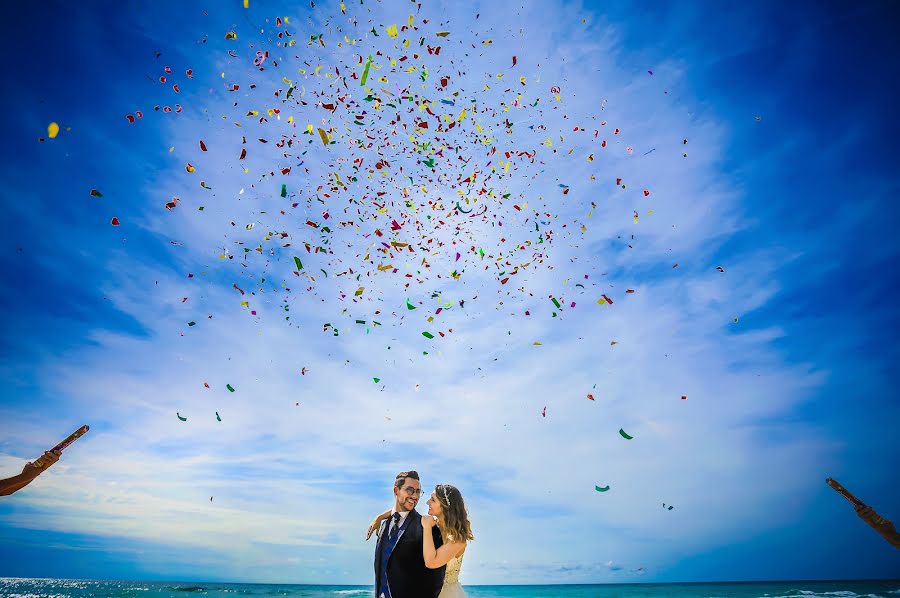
x=395, y=527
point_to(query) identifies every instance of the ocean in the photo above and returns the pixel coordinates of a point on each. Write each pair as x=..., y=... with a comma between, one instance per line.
x=61, y=588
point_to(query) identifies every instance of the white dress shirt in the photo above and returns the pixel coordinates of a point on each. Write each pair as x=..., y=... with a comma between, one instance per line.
x=403, y=515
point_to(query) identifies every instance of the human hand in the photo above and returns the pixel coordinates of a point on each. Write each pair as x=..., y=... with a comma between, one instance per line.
x=33, y=470
x=868, y=515
x=428, y=522
x=374, y=526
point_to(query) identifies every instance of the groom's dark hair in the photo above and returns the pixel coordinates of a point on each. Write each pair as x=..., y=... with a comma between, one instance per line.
x=401, y=477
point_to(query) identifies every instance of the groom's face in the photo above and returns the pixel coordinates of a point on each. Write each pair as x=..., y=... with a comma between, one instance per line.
x=407, y=496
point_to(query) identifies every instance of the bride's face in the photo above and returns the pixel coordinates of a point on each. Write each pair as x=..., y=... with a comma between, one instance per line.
x=434, y=505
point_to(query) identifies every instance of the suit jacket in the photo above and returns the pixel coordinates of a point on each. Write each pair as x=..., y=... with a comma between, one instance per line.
x=408, y=577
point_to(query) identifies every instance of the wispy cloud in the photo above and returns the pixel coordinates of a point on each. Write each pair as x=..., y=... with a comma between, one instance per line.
x=309, y=443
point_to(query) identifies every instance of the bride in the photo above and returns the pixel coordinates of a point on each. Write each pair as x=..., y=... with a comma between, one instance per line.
x=448, y=511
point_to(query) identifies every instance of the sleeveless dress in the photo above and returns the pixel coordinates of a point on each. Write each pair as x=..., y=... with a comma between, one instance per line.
x=451, y=587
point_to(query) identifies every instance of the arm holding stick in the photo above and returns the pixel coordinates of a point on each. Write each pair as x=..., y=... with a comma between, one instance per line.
x=40, y=465
x=29, y=473
x=881, y=525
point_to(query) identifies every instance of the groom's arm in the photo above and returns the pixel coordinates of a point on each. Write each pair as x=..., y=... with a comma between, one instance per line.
x=376, y=523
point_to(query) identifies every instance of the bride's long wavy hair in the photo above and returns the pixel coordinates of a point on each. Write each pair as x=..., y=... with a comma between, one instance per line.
x=456, y=519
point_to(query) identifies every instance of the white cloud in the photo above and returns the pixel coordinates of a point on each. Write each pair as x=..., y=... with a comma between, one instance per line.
x=304, y=480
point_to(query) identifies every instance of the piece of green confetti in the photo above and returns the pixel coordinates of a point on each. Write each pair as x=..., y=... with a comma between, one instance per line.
x=624, y=435
x=192, y=323
x=409, y=305
x=298, y=263
x=229, y=387
x=427, y=335
x=555, y=302
x=599, y=489
x=377, y=380
x=365, y=74
x=283, y=190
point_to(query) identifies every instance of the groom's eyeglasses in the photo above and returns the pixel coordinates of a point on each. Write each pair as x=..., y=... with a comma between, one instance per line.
x=410, y=491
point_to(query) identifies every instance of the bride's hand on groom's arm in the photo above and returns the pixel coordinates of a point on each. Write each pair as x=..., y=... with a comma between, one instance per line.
x=428, y=522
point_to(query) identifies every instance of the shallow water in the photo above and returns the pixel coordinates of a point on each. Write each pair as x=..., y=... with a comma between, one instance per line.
x=57, y=588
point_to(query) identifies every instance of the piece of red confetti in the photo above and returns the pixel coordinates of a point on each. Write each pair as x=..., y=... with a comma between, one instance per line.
x=514, y=62
x=590, y=396
x=646, y=193
x=684, y=397
x=114, y=221
x=202, y=146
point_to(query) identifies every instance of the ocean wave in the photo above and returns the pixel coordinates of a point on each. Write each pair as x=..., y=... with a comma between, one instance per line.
x=813, y=594
x=352, y=592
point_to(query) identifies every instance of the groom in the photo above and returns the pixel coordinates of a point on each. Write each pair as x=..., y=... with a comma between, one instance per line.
x=400, y=570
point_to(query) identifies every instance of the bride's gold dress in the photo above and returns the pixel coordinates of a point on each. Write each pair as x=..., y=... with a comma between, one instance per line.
x=451, y=587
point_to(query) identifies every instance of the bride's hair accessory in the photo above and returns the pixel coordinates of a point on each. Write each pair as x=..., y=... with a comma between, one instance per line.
x=446, y=496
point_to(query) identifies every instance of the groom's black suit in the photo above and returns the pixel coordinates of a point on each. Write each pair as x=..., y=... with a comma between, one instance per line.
x=408, y=577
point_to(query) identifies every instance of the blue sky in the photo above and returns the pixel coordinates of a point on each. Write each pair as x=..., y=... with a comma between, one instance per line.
x=796, y=206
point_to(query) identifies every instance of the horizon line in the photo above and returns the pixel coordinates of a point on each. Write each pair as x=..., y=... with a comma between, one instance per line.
x=645, y=583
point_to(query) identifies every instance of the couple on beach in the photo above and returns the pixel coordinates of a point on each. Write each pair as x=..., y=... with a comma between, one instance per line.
x=419, y=556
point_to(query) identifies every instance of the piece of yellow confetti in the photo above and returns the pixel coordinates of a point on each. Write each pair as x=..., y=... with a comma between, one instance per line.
x=52, y=130
x=246, y=3
x=391, y=30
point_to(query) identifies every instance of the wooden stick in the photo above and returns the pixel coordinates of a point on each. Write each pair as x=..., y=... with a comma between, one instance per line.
x=844, y=492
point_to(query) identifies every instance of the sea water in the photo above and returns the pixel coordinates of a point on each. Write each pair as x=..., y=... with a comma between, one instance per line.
x=61, y=588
